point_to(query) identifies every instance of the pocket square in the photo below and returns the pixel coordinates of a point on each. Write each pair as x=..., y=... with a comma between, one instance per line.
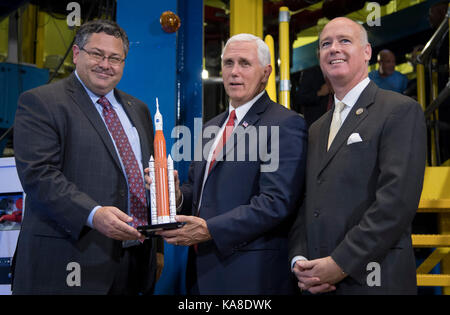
x=354, y=137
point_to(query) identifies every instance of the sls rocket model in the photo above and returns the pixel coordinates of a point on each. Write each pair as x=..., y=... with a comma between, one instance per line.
x=162, y=188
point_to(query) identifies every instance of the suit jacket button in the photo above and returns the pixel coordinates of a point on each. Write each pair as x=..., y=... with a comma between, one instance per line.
x=316, y=213
x=122, y=193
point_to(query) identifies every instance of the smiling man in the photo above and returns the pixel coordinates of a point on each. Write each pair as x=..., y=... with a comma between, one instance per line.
x=365, y=168
x=237, y=215
x=80, y=144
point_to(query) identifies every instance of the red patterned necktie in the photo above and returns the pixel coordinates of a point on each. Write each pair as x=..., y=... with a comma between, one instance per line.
x=136, y=190
x=225, y=136
x=220, y=145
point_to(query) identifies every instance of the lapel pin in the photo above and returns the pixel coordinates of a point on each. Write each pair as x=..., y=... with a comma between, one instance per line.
x=245, y=124
x=129, y=103
x=359, y=111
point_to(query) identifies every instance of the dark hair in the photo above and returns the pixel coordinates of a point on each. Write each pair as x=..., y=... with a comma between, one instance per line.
x=101, y=26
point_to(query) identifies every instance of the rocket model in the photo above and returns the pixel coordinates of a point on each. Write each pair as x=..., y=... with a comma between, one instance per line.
x=162, y=188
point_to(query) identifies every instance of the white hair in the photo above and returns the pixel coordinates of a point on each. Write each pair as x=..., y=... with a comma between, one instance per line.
x=262, y=48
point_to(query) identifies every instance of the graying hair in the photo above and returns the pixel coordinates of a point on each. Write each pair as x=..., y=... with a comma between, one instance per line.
x=101, y=26
x=262, y=48
x=364, y=36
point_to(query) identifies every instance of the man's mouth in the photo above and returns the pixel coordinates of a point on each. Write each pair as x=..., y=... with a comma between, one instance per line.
x=102, y=74
x=336, y=61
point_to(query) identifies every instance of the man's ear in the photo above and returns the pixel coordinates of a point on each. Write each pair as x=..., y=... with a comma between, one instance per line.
x=267, y=72
x=76, y=51
x=368, y=52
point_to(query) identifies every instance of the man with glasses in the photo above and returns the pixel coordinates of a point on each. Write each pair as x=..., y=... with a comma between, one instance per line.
x=80, y=145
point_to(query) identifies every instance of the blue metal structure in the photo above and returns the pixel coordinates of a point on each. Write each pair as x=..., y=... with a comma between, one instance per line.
x=15, y=79
x=167, y=66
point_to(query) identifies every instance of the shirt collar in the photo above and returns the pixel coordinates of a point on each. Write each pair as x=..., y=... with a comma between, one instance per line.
x=242, y=110
x=352, y=96
x=94, y=97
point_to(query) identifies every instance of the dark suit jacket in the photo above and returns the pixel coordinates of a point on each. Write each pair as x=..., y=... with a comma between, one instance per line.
x=249, y=212
x=306, y=99
x=362, y=197
x=67, y=165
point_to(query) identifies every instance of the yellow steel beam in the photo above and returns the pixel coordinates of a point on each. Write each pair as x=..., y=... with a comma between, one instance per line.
x=436, y=205
x=434, y=94
x=271, y=85
x=246, y=16
x=444, y=228
x=421, y=98
x=431, y=240
x=433, y=280
x=436, y=185
x=432, y=260
x=4, y=30
x=444, y=218
x=40, y=39
x=285, y=83
x=28, y=22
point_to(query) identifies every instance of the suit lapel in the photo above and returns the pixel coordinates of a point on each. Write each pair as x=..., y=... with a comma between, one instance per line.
x=357, y=114
x=250, y=119
x=82, y=99
x=199, y=167
x=129, y=107
x=325, y=130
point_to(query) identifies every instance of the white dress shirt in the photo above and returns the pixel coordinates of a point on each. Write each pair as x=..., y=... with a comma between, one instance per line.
x=351, y=98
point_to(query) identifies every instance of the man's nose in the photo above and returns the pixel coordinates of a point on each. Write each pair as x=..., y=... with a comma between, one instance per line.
x=104, y=63
x=235, y=70
x=334, y=46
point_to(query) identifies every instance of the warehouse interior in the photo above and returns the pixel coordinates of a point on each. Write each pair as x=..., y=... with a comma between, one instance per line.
x=180, y=64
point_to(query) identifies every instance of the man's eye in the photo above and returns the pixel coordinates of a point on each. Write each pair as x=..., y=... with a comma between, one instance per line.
x=324, y=44
x=97, y=55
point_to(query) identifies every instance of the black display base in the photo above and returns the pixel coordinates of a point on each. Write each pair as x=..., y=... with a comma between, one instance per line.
x=149, y=230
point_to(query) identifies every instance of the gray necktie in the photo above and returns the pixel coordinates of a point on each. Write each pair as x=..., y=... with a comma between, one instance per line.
x=335, y=123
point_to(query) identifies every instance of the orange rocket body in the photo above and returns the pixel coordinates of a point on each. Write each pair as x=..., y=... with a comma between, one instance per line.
x=161, y=177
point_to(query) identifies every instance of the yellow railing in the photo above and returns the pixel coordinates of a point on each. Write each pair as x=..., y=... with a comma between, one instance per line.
x=271, y=85
x=285, y=83
x=435, y=199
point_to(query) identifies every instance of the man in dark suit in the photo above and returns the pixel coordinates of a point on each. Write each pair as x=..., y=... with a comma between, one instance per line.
x=80, y=144
x=365, y=170
x=242, y=198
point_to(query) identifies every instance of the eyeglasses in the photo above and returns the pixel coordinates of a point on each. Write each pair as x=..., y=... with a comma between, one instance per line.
x=99, y=57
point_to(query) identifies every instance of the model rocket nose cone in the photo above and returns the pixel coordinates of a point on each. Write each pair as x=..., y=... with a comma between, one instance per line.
x=158, y=117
